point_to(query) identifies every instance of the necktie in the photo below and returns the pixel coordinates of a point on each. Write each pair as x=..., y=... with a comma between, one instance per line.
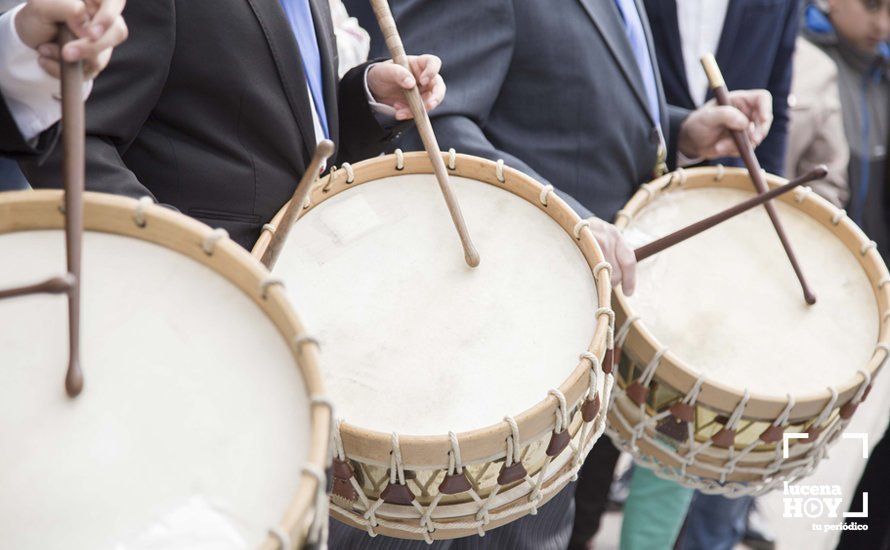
x=633, y=27
x=300, y=18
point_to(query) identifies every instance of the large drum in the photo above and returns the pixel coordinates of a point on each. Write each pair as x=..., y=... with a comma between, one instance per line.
x=467, y=397
x=722, y=360
x=201, y=422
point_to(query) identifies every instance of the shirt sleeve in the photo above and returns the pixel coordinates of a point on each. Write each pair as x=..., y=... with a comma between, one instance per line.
x=31, y=94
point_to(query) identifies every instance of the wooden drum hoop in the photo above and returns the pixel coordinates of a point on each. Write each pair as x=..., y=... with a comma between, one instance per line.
x=143, y=220
x=359, y=451
x=761, y=467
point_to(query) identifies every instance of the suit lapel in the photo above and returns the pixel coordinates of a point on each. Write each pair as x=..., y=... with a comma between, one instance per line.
x=286, y=54
x=607, y=20
x=324, y=31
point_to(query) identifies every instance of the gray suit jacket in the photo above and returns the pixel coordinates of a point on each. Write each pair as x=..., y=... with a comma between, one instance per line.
x=206, y=108
x=551, y=87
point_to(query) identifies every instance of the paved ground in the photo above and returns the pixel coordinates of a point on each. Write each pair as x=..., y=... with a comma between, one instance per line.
x=843, y=467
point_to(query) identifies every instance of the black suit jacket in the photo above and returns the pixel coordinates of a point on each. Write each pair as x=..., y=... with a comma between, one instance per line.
x=755, y=51
x=14, y=145
x=206, y=108
x=553, y=88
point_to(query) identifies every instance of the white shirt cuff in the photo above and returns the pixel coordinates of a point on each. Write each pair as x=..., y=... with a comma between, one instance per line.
x=385, y=114
x=30, y=93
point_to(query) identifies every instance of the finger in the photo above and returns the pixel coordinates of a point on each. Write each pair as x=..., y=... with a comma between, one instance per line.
x=437, y=94
x=106, y=17
x=391, y=72
x=628, y=263
x=725, y=147
x=430, y=65
x=84, y=48
x=404, y=114
x=96, y=65
x=51, y=66
x=50, y=50
x=730, y=118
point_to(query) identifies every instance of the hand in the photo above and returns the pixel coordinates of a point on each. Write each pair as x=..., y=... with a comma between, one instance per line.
x=97, y=25
x=388, y=82
x=705, y=132
x=618, y=253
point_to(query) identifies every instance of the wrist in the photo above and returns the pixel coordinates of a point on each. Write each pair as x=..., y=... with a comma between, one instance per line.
x=32, y=29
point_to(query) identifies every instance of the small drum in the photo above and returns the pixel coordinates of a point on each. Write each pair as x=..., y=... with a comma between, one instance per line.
x=467, y=397
x=722, y=358
x=200, y=423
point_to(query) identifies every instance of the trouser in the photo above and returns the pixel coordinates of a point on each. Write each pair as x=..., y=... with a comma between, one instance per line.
x=11, y=178
x=654, y=512
x=592, y=491
x=714, y=522
x=875, y=481
x=549, y=529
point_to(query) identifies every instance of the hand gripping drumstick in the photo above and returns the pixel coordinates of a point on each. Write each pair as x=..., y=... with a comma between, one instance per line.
x=323, y=150
x=721, y=94
x=694, y=229
x=425, y=128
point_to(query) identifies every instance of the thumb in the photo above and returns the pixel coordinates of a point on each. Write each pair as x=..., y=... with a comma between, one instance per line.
x=730, y=118
x=400, y=75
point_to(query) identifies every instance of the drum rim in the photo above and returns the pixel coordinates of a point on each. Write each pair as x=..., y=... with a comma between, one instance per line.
x=143, y=220
x=486, y=442
x=716, y=395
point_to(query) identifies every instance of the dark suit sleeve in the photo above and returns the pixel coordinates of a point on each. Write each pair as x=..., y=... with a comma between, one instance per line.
x=14, y=145
x=771, y=152
x=476, y=53
x=123, y=96
x=361, y=135
x=676, y=117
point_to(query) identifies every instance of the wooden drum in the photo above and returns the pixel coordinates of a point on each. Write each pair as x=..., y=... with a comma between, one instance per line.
x=467, y=397
x=722, y=359
x=201, y=422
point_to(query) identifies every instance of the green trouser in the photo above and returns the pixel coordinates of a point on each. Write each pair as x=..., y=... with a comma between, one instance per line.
x=654, y=512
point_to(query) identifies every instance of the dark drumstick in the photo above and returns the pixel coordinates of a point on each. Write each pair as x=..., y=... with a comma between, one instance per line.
x=694, y=229
x=323, y=150
x=425, y=129
x=73, y=137
x=721, y=94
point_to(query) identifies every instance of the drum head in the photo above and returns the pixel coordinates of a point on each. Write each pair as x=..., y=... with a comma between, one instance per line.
x=415, y=341
x=194, y=419
x=728, y=304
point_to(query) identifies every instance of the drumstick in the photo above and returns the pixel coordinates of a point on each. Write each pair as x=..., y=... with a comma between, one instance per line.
x=323, y=150
x=694, y=229
x=425, y=128
x=721, y=94
x=73, y=174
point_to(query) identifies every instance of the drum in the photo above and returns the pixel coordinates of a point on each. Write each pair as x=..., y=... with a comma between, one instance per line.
x=201, y=423
x=728, y=382
x=467, y=397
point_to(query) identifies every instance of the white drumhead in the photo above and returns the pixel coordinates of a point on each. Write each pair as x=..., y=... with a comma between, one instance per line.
x=415, y=341
x=193, y=422
x=728, y=303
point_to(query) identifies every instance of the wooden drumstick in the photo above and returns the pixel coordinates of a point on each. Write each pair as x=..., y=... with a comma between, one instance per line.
x=73, y=175
x=694, y=229
x=323, y=151
x=425, y=128
x=721, y=94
